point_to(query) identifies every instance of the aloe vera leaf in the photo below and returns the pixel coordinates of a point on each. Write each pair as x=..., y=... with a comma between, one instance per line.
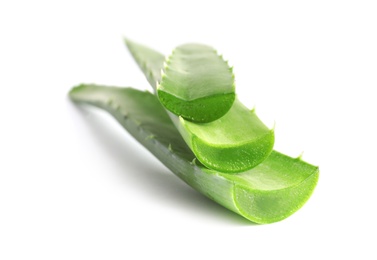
x=270, y=192
x=234, y=143
x=196, y=83
x=149, y=61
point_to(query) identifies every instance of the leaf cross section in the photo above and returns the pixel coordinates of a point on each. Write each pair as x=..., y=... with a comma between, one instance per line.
x=196, y=83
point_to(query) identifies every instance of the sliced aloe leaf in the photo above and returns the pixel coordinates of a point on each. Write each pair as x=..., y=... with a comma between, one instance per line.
x=270, y=192
x=236, y=142
x=196, y=83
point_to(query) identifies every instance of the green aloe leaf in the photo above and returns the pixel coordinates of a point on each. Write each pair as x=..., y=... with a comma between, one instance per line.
x=150, y=61
x=236, y=142
x=196, y=83
x=270, y=192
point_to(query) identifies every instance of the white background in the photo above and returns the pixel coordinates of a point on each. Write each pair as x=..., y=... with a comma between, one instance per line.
x=75, y=185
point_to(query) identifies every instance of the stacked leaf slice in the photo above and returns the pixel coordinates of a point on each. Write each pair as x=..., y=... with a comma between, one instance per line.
x=220, y=148
x=196, y=83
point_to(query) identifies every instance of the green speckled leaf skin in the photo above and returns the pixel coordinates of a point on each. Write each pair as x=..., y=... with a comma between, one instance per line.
x=270, y=192
x=196, y=83
x=234, y=143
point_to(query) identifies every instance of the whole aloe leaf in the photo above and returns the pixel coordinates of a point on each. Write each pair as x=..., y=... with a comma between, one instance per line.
x=270, y=192
x=196, y=83
x=236, y=142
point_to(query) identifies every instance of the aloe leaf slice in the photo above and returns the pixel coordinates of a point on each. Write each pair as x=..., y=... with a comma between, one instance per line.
x=234, y=143
x=270, y=192
x=196, y=83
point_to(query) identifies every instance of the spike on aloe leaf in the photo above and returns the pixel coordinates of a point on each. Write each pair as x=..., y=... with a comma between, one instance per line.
x=150, y=137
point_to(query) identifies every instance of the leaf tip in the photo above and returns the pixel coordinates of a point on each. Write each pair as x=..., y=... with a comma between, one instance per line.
x=125, y=39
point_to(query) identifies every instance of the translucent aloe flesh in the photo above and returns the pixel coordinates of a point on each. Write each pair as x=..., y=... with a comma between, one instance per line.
x=196, y=83
x=270, y=192
x=236, y=142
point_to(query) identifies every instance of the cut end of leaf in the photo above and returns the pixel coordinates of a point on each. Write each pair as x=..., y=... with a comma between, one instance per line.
x=276, y=196
x=197, y=83
x=233, y=158
x=273, y=206
x=201, y=110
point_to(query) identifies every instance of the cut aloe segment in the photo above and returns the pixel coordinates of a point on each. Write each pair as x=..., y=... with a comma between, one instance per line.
x=236, y=142
x=270, y=192
x=196, y=83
